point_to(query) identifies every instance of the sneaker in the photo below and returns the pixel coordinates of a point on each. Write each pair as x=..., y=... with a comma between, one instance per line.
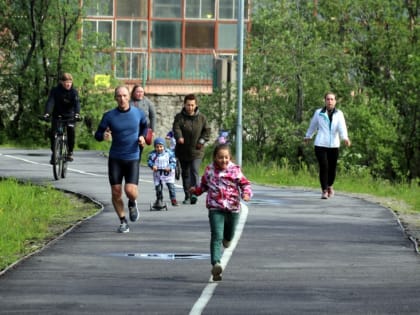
x=216, y=272
x=330, y=192
x=186, y=201
x=174, y=202
x=226, y=244
x=134, y=211
x=324, y=194
x=70, y=157
x=193, y=199
x=123, y=228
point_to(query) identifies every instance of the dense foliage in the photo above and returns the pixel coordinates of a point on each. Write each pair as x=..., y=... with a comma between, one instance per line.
x=39, y=40
x=366, y=51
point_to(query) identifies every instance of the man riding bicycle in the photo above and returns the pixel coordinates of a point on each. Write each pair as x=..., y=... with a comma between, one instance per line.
x=63, y=101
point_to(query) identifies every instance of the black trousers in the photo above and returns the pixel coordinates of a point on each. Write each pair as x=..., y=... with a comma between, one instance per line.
x=327, y=160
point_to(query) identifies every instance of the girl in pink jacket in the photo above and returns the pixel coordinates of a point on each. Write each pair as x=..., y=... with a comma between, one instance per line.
x=225, y=185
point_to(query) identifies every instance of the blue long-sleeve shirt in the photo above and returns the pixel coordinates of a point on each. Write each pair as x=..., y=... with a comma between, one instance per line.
x=125, y=127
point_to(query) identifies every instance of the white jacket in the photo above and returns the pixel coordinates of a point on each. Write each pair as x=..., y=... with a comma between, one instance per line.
x=328, y=132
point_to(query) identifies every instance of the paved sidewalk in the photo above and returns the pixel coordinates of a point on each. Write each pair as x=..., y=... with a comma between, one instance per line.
x=297, y=254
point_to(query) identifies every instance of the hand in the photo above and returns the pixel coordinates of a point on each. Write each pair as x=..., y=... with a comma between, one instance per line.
x=142, y=141
x=306, y=140
x=198, y=146
x=108, y=134
x=347, y=142
x=46, y=117
x=192, y=190
x=181, y=140
x=245, y=197
x=154, y=168
x=77, y=117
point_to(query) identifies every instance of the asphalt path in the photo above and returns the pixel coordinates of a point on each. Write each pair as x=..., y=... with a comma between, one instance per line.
x=294, y=254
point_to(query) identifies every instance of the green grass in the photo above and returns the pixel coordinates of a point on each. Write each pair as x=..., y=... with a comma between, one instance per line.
x=32, y=215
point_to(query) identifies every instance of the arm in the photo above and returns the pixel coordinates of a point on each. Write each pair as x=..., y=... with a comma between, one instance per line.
x=176, y=127
x=103, y=128
x=49, y=105
x=152, y=114
x=313, y=126
x=76, y=107
x=342, y=130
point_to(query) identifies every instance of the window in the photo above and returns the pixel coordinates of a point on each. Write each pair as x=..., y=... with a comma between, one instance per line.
x=165, y=66
x=100, y=8
x=228, y=9
x=132, y=8
x=130, y=65
x=103, y=62
x=98, y=32
x=228, y=38
x=132, y=34
x=200, y=9
x=167, y=8
x=166, y=34
x=199, y=35
x=198, y=67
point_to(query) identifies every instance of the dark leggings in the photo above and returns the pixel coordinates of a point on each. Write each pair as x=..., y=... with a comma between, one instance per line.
x=327, y=160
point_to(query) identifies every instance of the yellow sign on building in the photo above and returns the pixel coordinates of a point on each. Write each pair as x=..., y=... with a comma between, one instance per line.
x=102, y=80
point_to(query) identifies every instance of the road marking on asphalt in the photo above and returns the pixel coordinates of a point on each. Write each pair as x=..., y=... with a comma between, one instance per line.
x=208, y=291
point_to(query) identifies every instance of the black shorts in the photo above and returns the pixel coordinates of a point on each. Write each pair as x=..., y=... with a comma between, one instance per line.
x=123, y=169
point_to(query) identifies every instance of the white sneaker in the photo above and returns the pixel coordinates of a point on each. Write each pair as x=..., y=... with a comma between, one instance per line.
x=123, y=228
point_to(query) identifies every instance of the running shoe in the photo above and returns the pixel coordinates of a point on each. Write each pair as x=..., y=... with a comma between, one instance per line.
x=134, y=211
x=123, y=228
x=324, y=194
x=226, y=244
x=216, y=272
x=193, y=199
x=330, y=192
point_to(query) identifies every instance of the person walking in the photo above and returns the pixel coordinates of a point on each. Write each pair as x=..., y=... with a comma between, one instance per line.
x=191, y=131
x=225, y=185
x=126, y=127
x=63, y=100
x=139, y=100
x=330, y=126
x=162, y=161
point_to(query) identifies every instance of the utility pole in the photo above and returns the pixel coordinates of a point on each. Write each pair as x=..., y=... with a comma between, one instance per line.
x=240, y=80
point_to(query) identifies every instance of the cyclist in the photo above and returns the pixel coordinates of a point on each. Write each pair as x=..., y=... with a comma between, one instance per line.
x=63, y=101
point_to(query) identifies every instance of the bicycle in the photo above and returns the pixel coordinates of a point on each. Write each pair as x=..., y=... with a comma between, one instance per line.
x=60, y=151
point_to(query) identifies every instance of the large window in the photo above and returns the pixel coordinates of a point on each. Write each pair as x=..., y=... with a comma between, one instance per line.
x=228, y=9
x=166, y=34
x=165, y=66
x=132, y=34
x=130, y=65
x=100, y=8
x=97, y=32
x=132, y=8
x=199, y=35
x=167, y=8
x=200, y=9
x=198, y=67
x=228, y=37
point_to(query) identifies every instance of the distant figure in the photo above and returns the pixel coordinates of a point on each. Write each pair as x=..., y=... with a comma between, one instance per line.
x=63, y=101
x=163, y=163
x=191, y=131
x=329, y=124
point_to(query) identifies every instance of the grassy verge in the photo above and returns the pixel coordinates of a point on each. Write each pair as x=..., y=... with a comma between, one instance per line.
x=32, y=215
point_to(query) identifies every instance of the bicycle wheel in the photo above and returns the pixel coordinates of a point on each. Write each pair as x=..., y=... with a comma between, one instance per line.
x=56, y=158
x=64, y=152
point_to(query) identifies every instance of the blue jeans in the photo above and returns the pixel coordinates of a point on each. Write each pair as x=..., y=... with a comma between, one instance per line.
x=222, y=226
x=159, y=191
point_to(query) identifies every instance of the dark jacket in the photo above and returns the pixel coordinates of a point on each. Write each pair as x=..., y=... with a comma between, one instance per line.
x=195, y=130
x=63, y=102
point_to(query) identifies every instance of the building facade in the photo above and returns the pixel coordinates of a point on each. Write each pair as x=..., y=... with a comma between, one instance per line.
x=168, y=46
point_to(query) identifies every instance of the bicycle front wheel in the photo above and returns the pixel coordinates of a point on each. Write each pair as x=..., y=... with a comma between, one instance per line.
x=57, y=158
x=64, y=153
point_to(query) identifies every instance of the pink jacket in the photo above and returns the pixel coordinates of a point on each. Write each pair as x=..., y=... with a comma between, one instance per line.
x=224, y=187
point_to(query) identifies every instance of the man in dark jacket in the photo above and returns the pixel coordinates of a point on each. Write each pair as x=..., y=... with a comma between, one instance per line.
x=191, y=132
x=63, y=101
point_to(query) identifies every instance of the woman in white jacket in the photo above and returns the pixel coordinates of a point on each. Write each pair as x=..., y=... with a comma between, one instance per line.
x=330, y=127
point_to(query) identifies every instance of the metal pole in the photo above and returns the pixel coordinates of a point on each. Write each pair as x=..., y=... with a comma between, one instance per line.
x=240, y=79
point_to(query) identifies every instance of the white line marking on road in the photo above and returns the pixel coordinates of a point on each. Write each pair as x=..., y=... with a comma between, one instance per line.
x=207, y=293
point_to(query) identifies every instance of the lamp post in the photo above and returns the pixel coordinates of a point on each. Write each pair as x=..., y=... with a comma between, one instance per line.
x=240, y=34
